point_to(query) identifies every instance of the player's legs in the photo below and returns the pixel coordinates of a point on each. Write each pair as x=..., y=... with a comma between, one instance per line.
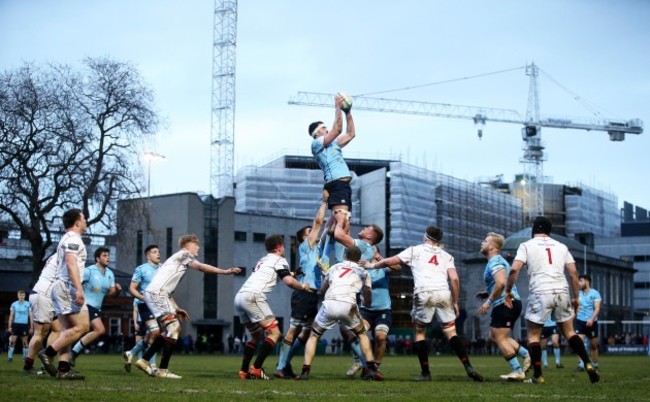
x=593, y=345
x=456, y=344
x=271, y=336
x=555, y=341
x=97, y=329
x=12, y=345
x=36, y=343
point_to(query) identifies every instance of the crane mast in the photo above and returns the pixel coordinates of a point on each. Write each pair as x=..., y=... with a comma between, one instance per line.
x=533, y=157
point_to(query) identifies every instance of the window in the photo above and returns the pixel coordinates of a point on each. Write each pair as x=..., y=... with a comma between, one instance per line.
x=114, y=326
x=259, y=237
x=138, y=248
x=240, y=236
x=169, y=242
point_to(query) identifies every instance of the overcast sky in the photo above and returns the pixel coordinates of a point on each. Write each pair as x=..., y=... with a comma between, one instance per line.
x=599, y=51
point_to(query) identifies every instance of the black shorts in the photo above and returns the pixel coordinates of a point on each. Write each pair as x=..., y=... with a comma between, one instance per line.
x=304, y=305
x=582, y=329
x=340, y=193
x=19, y=329
x=145, y=313
x=94, y=313
x=547, y=332
x=142, y=329
x=377, y=317
x=504, y=317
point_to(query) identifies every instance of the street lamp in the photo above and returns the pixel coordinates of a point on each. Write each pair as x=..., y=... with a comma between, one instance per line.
x=150, y=156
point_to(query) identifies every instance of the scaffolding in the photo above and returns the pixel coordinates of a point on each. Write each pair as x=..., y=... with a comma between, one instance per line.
x=589, y=210
x=465, y=211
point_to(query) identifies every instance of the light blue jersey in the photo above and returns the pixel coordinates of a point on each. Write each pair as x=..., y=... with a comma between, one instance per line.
x=587, y=304
x=96, y=285
x=380, y=291
x=21, y=311
x=143, y=275
x=330, y=159
x=549, y=322
x=310, y=271
x=367, y=250
x=494, y=265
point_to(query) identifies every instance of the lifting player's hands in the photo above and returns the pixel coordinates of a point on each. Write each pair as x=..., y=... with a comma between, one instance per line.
x=326, y=195
x=182, y=315
x=481, y=296
x=233, y=270
x=338, y=101
x=508, y=299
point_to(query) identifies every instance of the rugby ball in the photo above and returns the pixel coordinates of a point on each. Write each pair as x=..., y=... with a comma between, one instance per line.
x=347, y=101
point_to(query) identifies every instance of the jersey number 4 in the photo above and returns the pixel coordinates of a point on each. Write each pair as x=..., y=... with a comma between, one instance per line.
x=434, y=260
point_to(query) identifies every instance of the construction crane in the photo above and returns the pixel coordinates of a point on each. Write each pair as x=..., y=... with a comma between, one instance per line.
x=533, y=146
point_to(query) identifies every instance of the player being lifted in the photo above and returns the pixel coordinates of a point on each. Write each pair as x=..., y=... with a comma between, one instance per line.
x=327, y=147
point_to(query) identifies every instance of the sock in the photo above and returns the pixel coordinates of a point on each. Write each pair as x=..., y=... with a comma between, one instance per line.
x=77, y=348
x=544, y=357
x=298, y=343
x=284, y=352
x=356, y=347
x=267, y=347
x=138, y=348
x=25, y=353
x=152, y=361
x=50, y=352
x=355, y=357
x=522, y=351
x=556, y=352
x=10, y=354
x=536, y=356
x=29, y=363
x=513, y=362
x=64, y=367
x=306, y=368
x=249, y=351
x=154, y=348
x=576, y=344
x=457, y=346
x=167, y=350
x=423, y=356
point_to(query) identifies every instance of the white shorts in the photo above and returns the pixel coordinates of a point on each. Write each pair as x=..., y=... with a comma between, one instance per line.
x=252, y=307
x=159, y=303
x=433, y=303
x=63, y=295
x=332, y=312
x=540, y=305
x=42, y=308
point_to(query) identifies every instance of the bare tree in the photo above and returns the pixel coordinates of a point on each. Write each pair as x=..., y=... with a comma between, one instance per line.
x=70, y=138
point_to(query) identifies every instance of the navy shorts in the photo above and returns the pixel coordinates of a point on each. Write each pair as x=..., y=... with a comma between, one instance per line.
x=583, y=329
x=19, y=329
x=504, y=317
x=340, y=193
x=304, y=305
x=94, y=313
x=547, y=332
x=145, y=313
x=377, y=317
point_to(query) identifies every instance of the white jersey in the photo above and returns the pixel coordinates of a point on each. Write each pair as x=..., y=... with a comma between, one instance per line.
x=265, y=275
x=429, y=265
x=48, y=275
x=546, y=259
x=346, y=280
x=71, y=242
x=170, y=273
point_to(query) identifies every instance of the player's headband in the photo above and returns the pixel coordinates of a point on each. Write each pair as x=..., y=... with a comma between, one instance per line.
x=318, y=127
x=431, y=237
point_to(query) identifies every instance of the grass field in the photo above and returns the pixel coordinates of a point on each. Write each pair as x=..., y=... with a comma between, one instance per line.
x=214, y=377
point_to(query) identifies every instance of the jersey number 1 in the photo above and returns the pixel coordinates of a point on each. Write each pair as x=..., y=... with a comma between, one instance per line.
x=548, y=252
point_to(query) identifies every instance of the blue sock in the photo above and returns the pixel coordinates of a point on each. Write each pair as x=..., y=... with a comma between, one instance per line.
x=138, y=348
x=78, y=347
x=10, y=354
x=544, y=357
x=296, y=345
x=152, y=361
x=25, y=350
x=514, y=363
x=282, y=358
x=356, y=348
x=556, y=352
